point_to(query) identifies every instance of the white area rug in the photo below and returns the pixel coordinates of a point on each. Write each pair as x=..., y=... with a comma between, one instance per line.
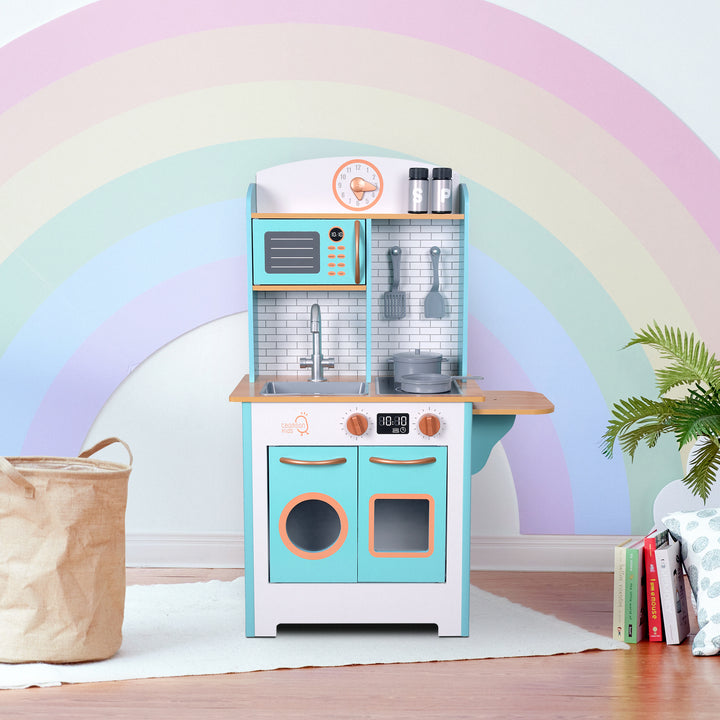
x=198, y=629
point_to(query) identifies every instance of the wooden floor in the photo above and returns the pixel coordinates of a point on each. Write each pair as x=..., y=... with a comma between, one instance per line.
x=651, y=680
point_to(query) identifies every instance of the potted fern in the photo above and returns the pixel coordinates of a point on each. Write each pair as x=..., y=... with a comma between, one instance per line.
x=688, y=405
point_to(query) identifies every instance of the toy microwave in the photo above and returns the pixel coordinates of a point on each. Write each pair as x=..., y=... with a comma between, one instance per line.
x=308, y=251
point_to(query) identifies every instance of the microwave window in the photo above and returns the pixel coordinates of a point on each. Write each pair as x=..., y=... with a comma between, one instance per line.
x=292, y=252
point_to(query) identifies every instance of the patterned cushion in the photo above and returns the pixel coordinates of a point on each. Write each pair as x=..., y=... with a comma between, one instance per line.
x=699, y=535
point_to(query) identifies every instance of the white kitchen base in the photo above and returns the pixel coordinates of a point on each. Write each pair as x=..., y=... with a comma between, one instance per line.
x=270, y=604
x=374, y=603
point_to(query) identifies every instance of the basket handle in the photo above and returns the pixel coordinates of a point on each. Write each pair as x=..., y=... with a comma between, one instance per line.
x=13, y=474
x=103, y=444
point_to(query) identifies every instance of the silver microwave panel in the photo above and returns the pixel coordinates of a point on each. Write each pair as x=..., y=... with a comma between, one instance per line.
x=292, y=252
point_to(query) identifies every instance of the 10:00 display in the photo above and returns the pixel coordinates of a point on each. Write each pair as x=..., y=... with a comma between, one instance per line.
x=393, y=423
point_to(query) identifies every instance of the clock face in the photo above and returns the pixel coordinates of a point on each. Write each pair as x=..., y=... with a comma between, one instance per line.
x=357, y=185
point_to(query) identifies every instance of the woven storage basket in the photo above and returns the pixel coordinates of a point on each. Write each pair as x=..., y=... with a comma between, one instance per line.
x=62, y=557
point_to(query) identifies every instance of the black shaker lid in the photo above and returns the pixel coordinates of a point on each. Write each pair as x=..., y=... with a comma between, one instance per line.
x=418, y=173
x=442, y=173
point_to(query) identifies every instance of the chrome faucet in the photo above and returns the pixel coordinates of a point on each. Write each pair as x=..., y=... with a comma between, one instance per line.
x=317, y=363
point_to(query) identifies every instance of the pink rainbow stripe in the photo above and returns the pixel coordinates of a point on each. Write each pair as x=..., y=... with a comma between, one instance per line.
x=480, y=29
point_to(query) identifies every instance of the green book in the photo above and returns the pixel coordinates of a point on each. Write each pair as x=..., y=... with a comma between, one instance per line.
x=635, y=595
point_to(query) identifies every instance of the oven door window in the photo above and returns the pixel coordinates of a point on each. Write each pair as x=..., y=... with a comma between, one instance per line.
x=401, y=525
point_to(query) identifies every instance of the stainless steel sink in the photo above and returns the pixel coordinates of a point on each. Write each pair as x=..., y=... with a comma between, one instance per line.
x=305, y=387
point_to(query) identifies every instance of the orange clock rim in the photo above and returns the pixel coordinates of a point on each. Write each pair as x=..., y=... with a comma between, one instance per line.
x=380, y=186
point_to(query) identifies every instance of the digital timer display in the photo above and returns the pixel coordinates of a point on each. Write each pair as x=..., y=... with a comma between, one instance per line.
x=393, y=423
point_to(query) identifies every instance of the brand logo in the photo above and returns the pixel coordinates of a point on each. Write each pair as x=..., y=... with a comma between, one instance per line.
x=300, y=425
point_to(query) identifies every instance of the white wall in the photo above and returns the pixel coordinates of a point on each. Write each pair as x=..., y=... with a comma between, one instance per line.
x=179, y=398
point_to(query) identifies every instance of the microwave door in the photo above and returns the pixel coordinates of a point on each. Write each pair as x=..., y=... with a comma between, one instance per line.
x=321, y=251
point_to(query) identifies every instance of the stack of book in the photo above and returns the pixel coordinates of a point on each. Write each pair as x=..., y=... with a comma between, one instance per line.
x=649, y=591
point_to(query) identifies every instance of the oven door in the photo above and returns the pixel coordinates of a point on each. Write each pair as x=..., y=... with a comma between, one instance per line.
x=402, y=494
x=308, y=251
x=312, y=493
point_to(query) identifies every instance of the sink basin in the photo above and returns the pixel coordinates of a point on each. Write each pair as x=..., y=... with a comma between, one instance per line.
x=305, y=387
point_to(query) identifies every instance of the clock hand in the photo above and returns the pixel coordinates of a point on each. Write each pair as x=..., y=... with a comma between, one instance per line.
x=360, y=186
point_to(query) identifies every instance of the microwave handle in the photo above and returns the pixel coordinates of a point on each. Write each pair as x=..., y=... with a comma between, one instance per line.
x=357, y=252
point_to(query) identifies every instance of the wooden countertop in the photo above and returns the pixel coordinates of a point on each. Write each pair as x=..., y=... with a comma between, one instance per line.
x=497, y=402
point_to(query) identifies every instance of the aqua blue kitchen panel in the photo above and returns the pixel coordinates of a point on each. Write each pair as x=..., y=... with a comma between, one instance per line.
x=402, y=496
x=312, y=514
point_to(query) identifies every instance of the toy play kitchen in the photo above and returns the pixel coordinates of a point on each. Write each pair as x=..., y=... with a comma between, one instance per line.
x=361, y=427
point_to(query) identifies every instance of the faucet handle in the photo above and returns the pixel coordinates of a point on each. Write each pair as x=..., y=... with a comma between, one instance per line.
x=305, y=362
x=328, y=362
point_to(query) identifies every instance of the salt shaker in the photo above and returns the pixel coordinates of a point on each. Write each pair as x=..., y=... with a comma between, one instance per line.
x=418, y=190
x=442, y=190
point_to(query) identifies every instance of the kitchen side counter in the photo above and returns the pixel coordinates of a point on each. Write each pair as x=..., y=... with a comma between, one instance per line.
x=484, y=402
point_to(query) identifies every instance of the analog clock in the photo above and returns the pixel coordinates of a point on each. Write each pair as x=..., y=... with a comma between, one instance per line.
x=357, y=185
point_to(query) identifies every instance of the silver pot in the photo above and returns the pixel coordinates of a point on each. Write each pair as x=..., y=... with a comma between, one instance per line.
x=415, y=362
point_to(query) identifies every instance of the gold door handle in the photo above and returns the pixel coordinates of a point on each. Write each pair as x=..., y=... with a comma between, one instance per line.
x=357, y=252
x=419, y=461
x=332, y=461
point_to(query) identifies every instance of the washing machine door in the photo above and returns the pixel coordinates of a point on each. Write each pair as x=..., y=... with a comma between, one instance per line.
x=312, y=495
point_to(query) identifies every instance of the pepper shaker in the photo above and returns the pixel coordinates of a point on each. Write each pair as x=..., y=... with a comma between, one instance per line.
x=418, y=190
x=442, y=190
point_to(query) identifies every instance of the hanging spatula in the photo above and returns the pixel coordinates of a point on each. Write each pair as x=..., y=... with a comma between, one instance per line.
x=434, y=301
x=394, y=298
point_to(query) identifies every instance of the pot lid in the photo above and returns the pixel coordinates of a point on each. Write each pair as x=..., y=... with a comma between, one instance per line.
x=417, y=354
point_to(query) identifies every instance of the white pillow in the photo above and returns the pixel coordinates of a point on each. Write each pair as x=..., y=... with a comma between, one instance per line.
x=699, y=534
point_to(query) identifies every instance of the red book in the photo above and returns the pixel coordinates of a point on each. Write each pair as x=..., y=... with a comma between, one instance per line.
x=653, y=541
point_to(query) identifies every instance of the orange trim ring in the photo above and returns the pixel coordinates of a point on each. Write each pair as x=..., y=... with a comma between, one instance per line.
x=380, y=185
x=431, y=525
x=308, y=554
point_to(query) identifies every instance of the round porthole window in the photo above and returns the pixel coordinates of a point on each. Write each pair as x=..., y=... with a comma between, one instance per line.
x=313, y=526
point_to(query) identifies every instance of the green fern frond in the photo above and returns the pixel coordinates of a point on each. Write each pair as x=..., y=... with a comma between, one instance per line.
x=697, y=415
x=706, y=463
x=638, y=419
x=691, y=360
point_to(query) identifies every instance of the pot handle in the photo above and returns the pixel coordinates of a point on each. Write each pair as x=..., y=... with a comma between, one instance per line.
x=454, y=379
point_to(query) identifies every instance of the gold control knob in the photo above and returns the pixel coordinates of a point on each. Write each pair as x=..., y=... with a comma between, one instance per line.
x=429, y=425
x=356, y=424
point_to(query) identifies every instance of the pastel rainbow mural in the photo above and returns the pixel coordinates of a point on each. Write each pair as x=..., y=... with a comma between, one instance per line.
x=130, y=129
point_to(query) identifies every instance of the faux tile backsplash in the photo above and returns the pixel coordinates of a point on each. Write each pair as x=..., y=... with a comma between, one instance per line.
x=282, y=331
x=415, y=238
x=282, y=319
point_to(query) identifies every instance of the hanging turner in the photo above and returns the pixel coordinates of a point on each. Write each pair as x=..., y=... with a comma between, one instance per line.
x=394, y=298
x=434, y=301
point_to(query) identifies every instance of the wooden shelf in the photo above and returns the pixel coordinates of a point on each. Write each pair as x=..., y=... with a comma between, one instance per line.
x=513, y=402
x=360, y=216
x=306, y=288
